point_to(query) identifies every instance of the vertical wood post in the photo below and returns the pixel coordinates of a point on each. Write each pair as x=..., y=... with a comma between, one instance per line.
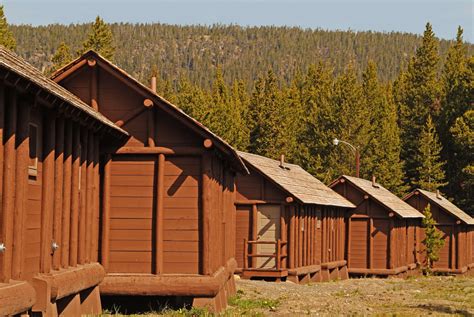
x=9, y=162
x=106, y=213
x=48, y=192
x=254, y=234
x=452, y=248
x=58, y=192
x=206, y=212
x=21, y=190
x=3, y=230
x=75, y=184
x=391, y=245
x=67, y=175
x=96, y=201
x=278, y=254
x=284, y=233
x=82, y=195
x=89, y=221
x=246, y=254
x=291, y=242
x=371, y=243
x=160, y=195
x=349, y=242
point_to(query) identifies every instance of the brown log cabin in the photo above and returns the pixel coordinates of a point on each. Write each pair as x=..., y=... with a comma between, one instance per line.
x=457, y=254
x=49, y=195
x=289, y=224
x=383, y=232
x=167, y=193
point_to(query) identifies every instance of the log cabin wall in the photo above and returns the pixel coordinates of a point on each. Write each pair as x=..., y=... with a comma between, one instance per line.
x=49, y=194
x=456, y=254
x=379, y=241
x=167, y=194
x=315, y=234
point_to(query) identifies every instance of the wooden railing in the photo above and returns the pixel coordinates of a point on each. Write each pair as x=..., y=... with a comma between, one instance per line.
x=278, y=255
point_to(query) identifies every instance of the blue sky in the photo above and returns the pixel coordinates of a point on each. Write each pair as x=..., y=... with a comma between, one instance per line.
x=381, y=15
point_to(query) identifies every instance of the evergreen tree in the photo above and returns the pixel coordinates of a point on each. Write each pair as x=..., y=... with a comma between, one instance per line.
x=433, y=241
x=463, y=135
x=352, y=123
x=382, y=158
x=458, y=88
x=421, y=99
x=430, y=171
x=100, y=39
x=265, y=118
x=318, y=121
x=61, y=58
x=6, y=35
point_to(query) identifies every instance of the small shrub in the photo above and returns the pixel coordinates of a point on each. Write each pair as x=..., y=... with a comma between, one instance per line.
x=433, y=241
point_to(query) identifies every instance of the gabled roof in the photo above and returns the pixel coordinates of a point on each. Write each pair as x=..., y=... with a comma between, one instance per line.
x=444, y=204
x=383, y=196
x=19, y=66
x=159, y=101
x=296, y=181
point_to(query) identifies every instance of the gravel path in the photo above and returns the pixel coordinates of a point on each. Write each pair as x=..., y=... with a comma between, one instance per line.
x=365, y=296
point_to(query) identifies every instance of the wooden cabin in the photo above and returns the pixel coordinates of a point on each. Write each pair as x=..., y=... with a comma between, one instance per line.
x=289, y=224
x=168, y=192
x=49, y=195
x=382, y=231
x=457, y=254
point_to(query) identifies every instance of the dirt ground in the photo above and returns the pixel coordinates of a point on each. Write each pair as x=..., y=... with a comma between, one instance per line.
x=416, y=296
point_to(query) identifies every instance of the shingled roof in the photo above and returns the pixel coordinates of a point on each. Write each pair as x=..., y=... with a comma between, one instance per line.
x=446, y=205
x=296, y=181
x=383, y=196
x=161, y=102
x=19, y=66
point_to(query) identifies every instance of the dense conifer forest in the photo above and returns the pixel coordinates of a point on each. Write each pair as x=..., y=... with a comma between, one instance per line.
x=405, y=101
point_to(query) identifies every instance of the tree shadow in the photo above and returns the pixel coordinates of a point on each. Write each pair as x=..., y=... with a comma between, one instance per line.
x=444, y=309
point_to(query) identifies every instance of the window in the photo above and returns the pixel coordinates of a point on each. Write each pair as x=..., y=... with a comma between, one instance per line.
x=34, y=144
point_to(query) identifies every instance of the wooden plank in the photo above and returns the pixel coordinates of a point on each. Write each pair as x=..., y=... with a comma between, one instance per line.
x=371, y=243
x=48, y=192
x=254, y=233
x=96, y=199
x=159, y=211
x=58, y=191
x=291, y=259
x=9, y=174
x=21, y=184
x=94, y=90
x=89, y=220
x=67, y=176
x=75, y=199
x=83, y=197
x=3, y=230
x=206, y=212
x=151, y=127
x=105, y=240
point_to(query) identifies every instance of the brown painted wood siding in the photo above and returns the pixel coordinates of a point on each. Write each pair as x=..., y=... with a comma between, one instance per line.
x=37, y=204
x=243, y=231
x=359, y=244
x=132, y=200
x=182, y=215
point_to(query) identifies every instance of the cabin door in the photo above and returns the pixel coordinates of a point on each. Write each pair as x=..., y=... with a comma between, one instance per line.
x=268, y=230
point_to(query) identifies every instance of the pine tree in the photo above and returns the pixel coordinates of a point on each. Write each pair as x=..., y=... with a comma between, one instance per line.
x=61, y=57
x=382, y=158
x=6, y=35
x=318, y=121
x=463, y=138
x=433, y=241
x=352, y=123
x=458, y=89
x=100, y=39
x=430, y=171
x=421, y=99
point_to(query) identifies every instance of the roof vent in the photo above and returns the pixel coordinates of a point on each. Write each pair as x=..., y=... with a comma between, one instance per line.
x=153, y=84
x=374, y=184
x=282, y=161
x=438, y=194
